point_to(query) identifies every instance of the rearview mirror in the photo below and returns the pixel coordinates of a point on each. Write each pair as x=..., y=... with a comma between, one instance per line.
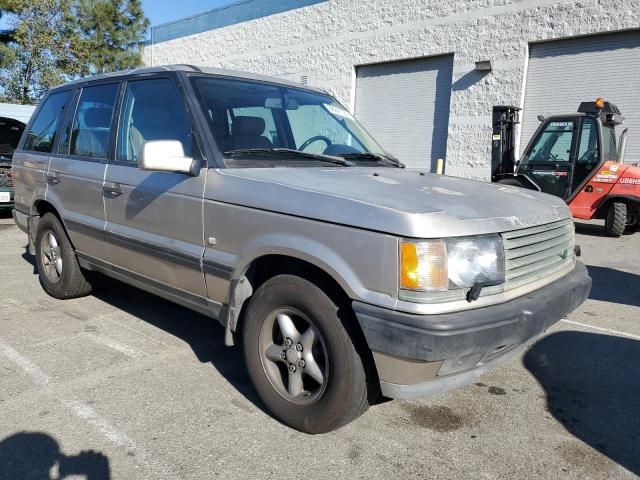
x=166, y=156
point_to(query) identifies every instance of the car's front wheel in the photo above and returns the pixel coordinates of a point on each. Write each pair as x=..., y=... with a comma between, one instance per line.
x=58, y=268
x=301, y=358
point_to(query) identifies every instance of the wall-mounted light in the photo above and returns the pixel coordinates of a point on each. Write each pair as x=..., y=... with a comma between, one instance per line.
x=484, y=66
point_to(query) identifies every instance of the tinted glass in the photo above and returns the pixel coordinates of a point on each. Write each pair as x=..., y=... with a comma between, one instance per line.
x=88, y=134
x=553, y=144
x=152, y=110
x=42, y=134
x=588, y=147
x=610, y=151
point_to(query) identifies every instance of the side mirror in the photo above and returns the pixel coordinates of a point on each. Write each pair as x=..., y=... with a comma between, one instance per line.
x=166, y=156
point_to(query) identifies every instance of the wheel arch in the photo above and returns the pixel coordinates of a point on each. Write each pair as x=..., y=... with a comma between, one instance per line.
x=256, y=271
x=263, y=267
x=39, y=208
x=632, y=202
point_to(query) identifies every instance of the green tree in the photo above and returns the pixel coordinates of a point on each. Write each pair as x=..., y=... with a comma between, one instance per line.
x=6, y=7
x=46, y=49
x=113, y=29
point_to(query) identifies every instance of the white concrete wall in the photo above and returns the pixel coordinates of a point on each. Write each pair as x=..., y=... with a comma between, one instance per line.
x=326, y=41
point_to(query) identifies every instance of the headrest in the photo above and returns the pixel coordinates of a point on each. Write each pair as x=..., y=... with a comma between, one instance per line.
x=97, y=117
x=151, y=116
x=248, y=126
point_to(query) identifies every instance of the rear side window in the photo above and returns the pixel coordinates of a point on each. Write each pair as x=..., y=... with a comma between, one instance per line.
x=43, y=130
x=151, y=110
x=88, y=135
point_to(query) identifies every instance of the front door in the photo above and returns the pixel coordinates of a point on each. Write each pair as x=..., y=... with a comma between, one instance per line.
x=154, y=219
x=587, y=154
x=548, y=159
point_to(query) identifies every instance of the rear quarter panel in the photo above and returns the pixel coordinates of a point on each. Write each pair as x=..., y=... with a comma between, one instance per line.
x=29, y=179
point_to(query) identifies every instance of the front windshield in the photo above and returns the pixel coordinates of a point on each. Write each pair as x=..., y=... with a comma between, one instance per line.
x=256, y=123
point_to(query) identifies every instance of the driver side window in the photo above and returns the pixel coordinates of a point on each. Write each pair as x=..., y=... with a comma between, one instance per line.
x=554, y=144
x=151, y=110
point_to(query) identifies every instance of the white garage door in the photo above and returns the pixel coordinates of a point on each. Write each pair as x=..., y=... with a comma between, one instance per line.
x=563, y=73
x=405, y=106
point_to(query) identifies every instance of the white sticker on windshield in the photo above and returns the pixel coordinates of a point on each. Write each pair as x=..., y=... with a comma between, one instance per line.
x=338, y=111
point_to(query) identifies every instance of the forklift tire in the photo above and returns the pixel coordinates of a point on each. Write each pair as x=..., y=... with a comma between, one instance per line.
x=616, y=220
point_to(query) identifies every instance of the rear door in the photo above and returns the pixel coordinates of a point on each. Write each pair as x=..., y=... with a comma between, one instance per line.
x=154, y=219
x=76, y=172
x=31, y=160
x=548, y=158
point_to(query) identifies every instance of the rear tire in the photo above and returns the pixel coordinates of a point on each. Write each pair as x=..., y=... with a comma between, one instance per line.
x=331, y=389
x=58, y=269
x=616, y=220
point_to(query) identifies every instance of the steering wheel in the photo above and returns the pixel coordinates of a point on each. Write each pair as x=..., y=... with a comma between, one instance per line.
x=317, y=138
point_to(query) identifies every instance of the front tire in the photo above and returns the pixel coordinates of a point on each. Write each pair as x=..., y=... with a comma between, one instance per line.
x=616, y=220
x=300, y=357
x=58, y=269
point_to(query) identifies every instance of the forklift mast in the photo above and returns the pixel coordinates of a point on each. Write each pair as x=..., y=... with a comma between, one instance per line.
x=503, y=145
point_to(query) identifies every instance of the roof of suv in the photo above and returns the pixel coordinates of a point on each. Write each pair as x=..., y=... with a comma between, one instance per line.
x=191, y=69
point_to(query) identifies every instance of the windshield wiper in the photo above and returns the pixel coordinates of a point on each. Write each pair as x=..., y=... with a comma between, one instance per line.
x=378, y=157
x=280, y=152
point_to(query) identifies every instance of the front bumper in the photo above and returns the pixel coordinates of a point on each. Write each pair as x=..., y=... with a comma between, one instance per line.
x=455, y=349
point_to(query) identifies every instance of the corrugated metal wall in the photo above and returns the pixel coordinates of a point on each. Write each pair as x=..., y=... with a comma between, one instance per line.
x=405, y=105
x=563, y=73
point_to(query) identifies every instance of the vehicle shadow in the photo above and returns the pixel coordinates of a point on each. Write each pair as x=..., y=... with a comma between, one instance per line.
x=615, y=286
x=32, y=455
x=591, y=229
x=592, y=383
x=204, y=335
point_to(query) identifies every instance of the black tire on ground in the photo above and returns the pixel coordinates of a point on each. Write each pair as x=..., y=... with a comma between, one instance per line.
x=511, y=181
x=616, y=219
x=53, y=245
x=344, y=396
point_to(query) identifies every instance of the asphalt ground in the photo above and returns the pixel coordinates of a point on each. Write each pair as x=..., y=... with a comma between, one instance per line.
x=125, y=385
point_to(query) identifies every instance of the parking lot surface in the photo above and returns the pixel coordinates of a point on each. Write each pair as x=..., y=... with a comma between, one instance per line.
x=125, y=385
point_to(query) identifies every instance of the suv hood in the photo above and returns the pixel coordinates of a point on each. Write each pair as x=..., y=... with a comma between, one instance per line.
x=392, y=200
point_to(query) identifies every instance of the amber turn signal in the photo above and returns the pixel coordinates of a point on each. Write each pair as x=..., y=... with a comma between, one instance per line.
x=409, y=266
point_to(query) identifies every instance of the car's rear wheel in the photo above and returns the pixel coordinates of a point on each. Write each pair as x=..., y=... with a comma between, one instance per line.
x=616, y=220
x=58, y=269
x=300, y=357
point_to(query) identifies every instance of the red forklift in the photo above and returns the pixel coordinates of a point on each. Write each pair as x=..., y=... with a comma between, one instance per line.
x=576, y=157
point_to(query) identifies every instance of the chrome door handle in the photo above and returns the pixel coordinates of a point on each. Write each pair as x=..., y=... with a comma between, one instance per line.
x=53, y=178
x=112, y=189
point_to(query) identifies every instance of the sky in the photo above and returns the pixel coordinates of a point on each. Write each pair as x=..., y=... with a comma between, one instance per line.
x=163, y=11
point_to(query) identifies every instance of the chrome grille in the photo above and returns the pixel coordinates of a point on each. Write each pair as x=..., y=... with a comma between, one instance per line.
x=537, y=252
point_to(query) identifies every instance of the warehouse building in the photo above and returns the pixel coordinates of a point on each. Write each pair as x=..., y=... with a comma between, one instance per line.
x=423, y=76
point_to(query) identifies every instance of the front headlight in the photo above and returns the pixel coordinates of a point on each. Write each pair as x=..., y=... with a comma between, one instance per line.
x=438, y=265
